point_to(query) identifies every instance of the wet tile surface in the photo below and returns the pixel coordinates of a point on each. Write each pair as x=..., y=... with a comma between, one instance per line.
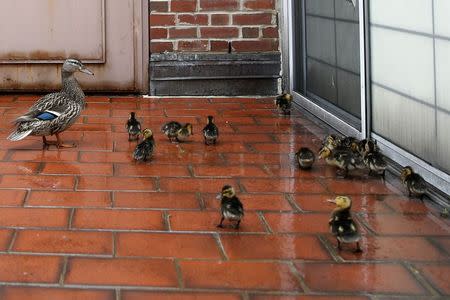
x=90, y=223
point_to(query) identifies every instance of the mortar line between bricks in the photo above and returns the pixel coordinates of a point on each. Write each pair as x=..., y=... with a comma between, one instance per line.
x=245, y=296
x=166, y=219
x=198, y=290
x=26, y=198
x=299, y=277
x=71, y=215
x=75, y=184
x=428, y=286
x=157, y=183
x=12, y=240
x=361, y=220
x=178, y=272
x=112, y=199
x=240, y=185
x=63, y=271
x=191, y=170
x=223, y=254
x=295, y=207
x=437, y=245
x=201, y=201
x=40, y=167
x=264, y=222
x=173, y=289
x=267, y=169
x=114, y=242
x=330, y=249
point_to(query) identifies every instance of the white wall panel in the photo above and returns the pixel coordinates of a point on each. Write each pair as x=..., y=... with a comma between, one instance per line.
x=443, y=73
x=442, y=17
x=413, y=15
x=403, y=62
x=443, y=140
x=407, y=123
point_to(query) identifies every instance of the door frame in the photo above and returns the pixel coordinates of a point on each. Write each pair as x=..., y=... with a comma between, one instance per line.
x=142, y=52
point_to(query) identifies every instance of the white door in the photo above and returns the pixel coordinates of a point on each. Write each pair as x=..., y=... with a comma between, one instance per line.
x=109, y=36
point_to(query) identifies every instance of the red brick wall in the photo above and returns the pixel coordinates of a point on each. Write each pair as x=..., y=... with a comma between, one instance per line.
x=210, y=25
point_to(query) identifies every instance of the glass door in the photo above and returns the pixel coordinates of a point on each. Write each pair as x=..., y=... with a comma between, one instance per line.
x=327, y=56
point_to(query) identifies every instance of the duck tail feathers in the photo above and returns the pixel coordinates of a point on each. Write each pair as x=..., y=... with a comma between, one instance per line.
x=19, y=135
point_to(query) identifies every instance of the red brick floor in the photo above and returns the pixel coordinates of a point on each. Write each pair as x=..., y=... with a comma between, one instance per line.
x=89, y=223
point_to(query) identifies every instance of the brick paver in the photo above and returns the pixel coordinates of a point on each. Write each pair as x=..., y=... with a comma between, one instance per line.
x=89, y=223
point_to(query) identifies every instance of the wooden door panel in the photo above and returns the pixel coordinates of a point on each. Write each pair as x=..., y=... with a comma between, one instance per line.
x=53, y=30
x=107, y=35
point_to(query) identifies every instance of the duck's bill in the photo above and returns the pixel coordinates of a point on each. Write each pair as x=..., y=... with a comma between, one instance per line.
x=86, y=71
x=331, y=201
x=219, y=196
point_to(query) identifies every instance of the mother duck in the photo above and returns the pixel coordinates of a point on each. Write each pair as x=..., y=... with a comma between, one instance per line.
x=54, y=113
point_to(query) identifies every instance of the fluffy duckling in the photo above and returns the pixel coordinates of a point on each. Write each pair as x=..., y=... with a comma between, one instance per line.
x=211, y=131
x=327, y=154
x=284, y=103
x=177, y=132
x=349, y=142
x=413, y=182
x=305, y=158
x=376, y=164
x=144, y=150
x=444, y=213
x=231, y=207
x=341, y=223
x=331, y=141
x=367, y=146
x=345, y=160
x=133, y=127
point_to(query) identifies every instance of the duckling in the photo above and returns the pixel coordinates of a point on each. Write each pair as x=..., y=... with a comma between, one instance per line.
x=210, y=132
x=413, y=182
x=177, y=132
x=444, y=213
x=349, y=142
x=305, y=158
x=342, y=158
x=284, y=103
x=376, y=164
x=327, y=154
x=341, y=223
x=144, y=150
x=331, y=141
x=348, y=161
x=231, y=207
x=367, y=145
x=133, y=127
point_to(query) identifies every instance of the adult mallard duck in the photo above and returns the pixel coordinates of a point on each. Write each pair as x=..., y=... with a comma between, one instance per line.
x=54, y=113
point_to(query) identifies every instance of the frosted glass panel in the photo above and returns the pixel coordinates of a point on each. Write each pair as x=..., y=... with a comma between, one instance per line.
x=406, y=14
x=410, y=73
x=443, y=140
x=403, y=62
x=407, y=123
x=443, y=73
x=441, y=18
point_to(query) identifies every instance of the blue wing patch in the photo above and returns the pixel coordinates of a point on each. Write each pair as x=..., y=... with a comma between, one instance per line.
x=46, y=116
